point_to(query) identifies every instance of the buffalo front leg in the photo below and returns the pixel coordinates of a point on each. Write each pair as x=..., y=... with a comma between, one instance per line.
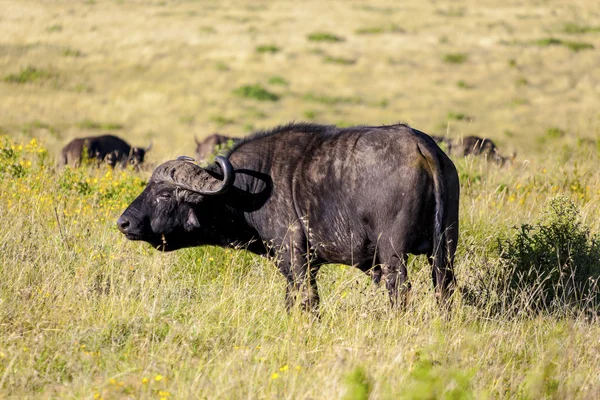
x=300, y=276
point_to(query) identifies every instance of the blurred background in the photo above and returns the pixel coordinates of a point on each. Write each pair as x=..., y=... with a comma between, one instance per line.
x=522, y=75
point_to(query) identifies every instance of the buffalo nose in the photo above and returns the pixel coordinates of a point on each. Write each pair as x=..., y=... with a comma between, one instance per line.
x=123, y=223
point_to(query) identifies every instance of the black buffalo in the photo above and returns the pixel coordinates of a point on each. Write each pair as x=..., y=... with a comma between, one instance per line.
x=106, y=148
x=309, y=195
x=211, y=144
x=473, y=145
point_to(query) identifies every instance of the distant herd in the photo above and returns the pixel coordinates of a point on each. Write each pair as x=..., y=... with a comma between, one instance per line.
x=114, y=151
x=306, y=195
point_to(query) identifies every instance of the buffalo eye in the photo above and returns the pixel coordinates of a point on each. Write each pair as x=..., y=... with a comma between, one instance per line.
x=164, y=196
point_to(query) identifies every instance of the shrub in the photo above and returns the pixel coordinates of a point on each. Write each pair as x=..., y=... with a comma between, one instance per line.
x=256, y=92
x=554, y=264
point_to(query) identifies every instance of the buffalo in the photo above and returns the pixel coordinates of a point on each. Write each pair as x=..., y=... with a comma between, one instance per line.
x=211, y=144
x=308, y=195
x=106, y=148
x=473, y=145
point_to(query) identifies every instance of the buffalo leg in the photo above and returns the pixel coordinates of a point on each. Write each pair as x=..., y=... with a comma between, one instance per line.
x=396, y=279
x=300, y=276
x=443, y=279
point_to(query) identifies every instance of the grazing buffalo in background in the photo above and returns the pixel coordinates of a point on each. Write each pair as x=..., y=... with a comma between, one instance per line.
x=473, y=145
x=311, y=195
x=211, y=144
x=105, y=148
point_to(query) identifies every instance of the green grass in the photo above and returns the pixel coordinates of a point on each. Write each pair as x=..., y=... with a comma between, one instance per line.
x=376, y=30
x=458, y=116
x=455, y=58
x=278, y=80
x=267, y=48
x=108, y=126
x=330, y=100
x=29, y=74
x=577, y=29
x=256, y=92
x=324, y=37
x=571, y=45
x=339, y=60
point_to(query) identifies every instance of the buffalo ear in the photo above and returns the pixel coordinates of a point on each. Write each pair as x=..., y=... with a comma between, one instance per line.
x=192, y=221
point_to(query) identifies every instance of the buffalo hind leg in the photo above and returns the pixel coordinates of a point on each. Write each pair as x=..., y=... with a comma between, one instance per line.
x=395, y=275
x=443, y=279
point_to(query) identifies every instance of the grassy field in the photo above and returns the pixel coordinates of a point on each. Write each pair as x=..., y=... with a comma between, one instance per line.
x=86, y=314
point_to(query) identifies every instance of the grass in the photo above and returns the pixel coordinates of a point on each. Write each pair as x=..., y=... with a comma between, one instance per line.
x=458, y=116
x=339, y=60
x=85, y=313
x=182, y=324
x=324, y=37
x=577, y=29
x=278, y=80
x=256, y=92
x=29, y=74
x=330, y=100
x=376, y=30
x=267, y=48
x=455, y=58
x=95, y=125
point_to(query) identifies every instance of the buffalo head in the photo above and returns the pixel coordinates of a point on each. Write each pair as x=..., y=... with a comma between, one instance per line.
x=137, y=154
x=179, y=206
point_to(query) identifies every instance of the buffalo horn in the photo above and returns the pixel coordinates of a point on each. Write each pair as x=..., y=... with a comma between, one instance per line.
x=205, y=184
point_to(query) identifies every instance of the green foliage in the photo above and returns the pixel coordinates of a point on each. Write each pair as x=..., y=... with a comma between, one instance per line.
x=310, y=114
x=105, y=126
x=69, y=52
x=455, y=58
x=374, y=30
x=464, y=85
x=221, y=120
x=267, y=48
x=29, y=74
x=576, y=29
x=573, y=46
x=55, y=28
x=555, y=133
x=339, y=60
x=521, y=81
x=553, y=264
x=256, y=92
x=456, y=116
x=331, y=100
x=324, y=37
x=430, y=380
x=358, y=385
x=278, y=80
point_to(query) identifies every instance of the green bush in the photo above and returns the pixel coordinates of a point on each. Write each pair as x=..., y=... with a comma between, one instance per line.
x=554, y=264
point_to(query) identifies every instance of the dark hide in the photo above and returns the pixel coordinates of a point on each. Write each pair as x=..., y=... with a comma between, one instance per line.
x=311, y=195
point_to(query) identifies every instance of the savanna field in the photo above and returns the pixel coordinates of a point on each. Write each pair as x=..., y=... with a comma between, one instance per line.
x=86, y=314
